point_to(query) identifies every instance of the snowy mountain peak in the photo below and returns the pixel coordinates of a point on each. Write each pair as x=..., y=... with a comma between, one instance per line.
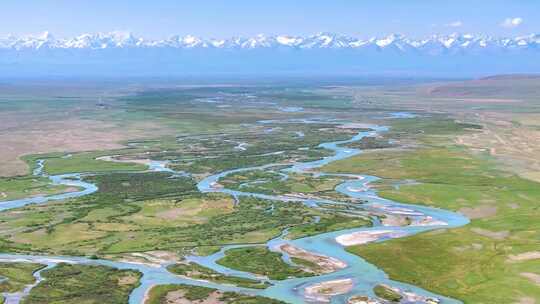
x=289, y=40
x=324, y=40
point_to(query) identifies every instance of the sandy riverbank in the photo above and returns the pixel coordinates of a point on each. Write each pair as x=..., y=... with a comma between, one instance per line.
x=364, y=237
x=395, y=220
x=150, y=258
x=325, y=264
x=112, y=158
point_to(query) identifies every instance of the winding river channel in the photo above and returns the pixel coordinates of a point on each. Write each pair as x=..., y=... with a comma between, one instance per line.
x=363, y=275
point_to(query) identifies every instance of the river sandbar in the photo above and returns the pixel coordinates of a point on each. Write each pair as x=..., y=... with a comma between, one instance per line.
x=364, y=237
x=325, y=263
x=322, y=292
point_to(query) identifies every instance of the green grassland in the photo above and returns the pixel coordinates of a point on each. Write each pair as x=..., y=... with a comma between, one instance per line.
x=195, y=294
x=16, y=276
x=472, y=263
x=76, y=284
x=199, y=272
x=12, y=188
x=261, y=261
x=58, y=163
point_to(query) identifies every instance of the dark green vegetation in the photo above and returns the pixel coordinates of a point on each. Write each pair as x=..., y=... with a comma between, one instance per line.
x=141, y=186
x=143, y=212
x=474, y=263
x=76, y=284
x=14, y=277
x=197, y=271
x=262, y=144
x=163, y=294
x=261, y=261
x=328, y=222
x=386, y=293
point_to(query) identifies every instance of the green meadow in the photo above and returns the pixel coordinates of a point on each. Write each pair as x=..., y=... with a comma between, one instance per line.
x=16, y=276
x=261, y=261
x=73, y=284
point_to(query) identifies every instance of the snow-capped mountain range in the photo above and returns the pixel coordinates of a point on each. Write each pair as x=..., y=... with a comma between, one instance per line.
x=431, y=45
x=119, y=54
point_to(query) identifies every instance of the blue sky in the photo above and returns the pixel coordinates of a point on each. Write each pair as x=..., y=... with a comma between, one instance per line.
x=209, y=18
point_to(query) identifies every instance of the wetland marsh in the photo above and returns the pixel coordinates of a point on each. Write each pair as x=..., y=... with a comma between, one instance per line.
x=241, y=201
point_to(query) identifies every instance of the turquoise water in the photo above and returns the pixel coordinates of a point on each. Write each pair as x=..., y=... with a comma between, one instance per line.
x=364, y=275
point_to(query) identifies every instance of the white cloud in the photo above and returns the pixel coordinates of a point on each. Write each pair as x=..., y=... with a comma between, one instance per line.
x=512, y=22
x=456, y=23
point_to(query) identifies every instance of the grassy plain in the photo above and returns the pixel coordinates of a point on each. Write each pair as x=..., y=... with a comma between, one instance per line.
x=506, y=106
x=162, y=294
x=85, y=162
x=16, y=276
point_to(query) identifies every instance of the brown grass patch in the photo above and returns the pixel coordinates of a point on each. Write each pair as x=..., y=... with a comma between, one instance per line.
x=177, y=297
x=526, y=300
x=526, y=256
x=127, y=280
x=496, y=235
x=482, y=211
x=23, y=134
x=533, y=277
